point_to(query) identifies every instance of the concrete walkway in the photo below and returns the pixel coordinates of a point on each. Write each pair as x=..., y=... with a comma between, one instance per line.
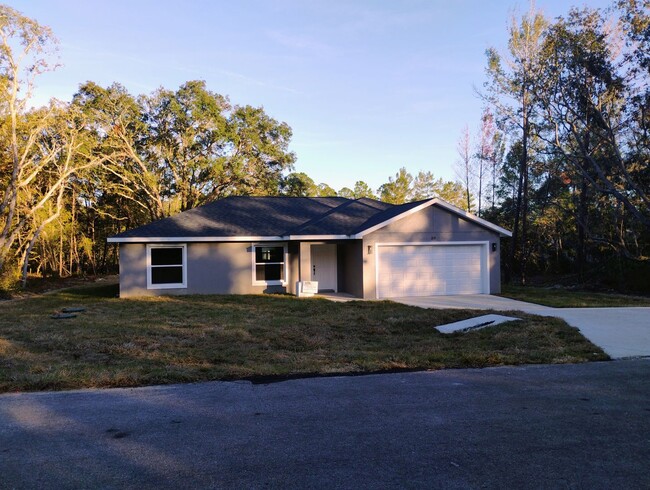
x=620, y=332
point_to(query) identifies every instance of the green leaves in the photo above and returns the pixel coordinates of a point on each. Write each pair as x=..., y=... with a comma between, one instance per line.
x=174, y=150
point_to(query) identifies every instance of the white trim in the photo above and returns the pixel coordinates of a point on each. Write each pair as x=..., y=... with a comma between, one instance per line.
x=319, y=237
x=282, y=282
x=442, y=204
x=166, y=239
x=186, y=239
x=182, y=285
x=486, y=257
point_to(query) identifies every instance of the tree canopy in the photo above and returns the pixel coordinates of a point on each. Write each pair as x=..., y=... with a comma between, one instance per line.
x=560, y=154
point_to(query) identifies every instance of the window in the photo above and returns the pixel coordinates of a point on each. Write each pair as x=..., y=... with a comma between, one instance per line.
x=166, y=266
x=269, y=264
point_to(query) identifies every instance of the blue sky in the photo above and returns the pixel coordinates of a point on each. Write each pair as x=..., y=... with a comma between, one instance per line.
x=367, y=86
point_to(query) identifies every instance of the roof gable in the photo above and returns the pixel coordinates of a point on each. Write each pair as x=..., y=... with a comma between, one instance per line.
x=410, y=208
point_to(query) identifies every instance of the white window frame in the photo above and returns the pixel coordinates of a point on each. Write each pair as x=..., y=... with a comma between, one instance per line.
x=182, y=285
x=281, y=282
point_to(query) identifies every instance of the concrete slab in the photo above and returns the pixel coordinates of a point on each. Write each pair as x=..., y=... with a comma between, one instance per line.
x=338, y=297
x=620, y=332
x=475, y=323
x=473, y=302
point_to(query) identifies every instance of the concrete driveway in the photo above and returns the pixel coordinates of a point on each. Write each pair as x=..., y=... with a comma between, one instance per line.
x=620, y=332
x=559, y=426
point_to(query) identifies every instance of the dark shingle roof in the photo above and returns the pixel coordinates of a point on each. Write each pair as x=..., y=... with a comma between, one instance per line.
x=281, y=217
x=344, y=219
x=267, y=216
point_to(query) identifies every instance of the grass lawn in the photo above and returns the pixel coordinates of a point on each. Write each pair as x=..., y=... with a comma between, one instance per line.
x=133, y=342
x=562, y=298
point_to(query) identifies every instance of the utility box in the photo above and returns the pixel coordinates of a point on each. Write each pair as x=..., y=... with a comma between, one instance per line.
x=306, y=288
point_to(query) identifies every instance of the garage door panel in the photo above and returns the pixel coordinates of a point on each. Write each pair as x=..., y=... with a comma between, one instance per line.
x=429, y=270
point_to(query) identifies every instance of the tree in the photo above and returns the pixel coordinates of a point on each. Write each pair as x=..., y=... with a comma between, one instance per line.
x=488, y=158
x=257, y=155
x=346, y=192
x=298, y=184
x=174, y=150
x=451, y=192
x=187, y=136
x=424, y=186
x=361, y=190
x=325, y=190
x=595, y=111
x=510, y=90
x=397, y=190
x=464, y=171
x=131, y=177
x=44, y=148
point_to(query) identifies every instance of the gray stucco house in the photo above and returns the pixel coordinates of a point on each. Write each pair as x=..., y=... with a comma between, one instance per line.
x=367, y=248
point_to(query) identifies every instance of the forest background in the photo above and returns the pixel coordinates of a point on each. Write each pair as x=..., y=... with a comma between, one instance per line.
x=560, y=157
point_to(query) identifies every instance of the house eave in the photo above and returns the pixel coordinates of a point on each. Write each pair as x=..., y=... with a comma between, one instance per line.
x=319, y=237
x=203, y=239
x=190, y=239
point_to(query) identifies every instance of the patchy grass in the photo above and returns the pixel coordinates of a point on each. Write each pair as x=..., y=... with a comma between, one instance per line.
x=566, y=298
x=133, y=342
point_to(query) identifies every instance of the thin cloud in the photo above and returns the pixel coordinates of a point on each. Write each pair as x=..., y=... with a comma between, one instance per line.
x=302, y=43
x=201, y=73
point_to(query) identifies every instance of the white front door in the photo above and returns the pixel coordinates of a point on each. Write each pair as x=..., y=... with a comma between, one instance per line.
x=323, y=267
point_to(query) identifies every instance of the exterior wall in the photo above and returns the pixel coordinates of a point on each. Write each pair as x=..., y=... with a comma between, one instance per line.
x=432, y=224
x=350, y=268
x=294, y=266
x=226, y=268
x=304, y=269
x=212, y=268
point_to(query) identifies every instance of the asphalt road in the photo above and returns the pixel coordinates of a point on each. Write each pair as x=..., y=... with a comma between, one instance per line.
x=571, y=426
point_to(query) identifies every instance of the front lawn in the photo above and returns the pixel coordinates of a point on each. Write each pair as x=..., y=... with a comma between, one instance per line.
x=566, y=298
x=133, y=342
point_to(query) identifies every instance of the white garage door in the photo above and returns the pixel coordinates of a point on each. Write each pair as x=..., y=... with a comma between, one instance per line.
x=430, y=270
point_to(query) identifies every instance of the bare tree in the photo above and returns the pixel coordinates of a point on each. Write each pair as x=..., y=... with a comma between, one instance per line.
x=24, y=48
x=464, y=171
x=46, y=146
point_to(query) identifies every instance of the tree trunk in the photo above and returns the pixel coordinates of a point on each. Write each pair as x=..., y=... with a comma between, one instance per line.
x=582, y=226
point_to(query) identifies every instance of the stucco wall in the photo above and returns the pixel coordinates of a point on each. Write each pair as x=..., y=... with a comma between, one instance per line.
x=432, y=224
x=350, y=268
x=212, y=268
x=226, y=268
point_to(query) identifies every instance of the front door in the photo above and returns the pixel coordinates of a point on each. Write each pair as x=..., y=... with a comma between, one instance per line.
x=323, y=267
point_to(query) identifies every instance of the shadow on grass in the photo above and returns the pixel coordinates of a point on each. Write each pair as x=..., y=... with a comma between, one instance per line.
x=162, y=340
x=104, y=291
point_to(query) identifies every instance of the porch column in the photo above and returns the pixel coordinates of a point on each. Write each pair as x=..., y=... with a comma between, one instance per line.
x=305, y=261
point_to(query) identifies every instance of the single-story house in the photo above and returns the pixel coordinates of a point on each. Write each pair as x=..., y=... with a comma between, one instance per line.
x=363, y=247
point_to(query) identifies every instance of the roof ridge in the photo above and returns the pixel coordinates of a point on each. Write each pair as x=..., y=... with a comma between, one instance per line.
x=392, y=209
x=336, y=209
x=316, y=219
